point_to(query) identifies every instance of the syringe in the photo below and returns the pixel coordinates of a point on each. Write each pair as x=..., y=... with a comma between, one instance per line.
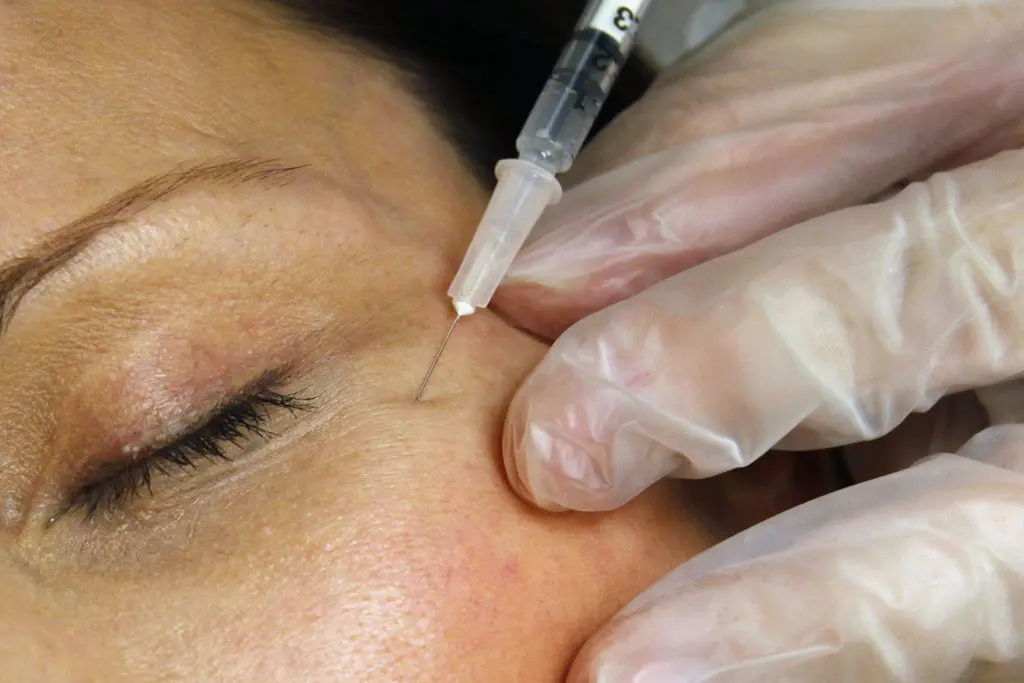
x=548, y=144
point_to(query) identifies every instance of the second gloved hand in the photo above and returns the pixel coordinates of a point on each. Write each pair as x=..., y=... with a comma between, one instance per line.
x=917, y=577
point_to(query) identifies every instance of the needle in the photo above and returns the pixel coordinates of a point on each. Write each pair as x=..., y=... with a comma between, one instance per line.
x=437, y=357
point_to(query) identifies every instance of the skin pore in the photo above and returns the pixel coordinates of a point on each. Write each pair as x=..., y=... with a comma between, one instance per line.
x=247, y=210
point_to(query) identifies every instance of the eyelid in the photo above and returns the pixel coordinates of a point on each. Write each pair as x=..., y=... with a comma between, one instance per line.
x=161, y=431
x=188, y=443
x=203, y=415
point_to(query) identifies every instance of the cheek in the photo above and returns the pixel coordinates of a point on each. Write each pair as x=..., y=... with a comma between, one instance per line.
x=393, y=550
x=465, y=587
x=422, y=582
x=464, y=582
x=437, y=571
x=434, y=570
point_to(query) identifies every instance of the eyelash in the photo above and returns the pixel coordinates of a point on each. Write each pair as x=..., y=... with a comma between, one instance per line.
x=236, y=424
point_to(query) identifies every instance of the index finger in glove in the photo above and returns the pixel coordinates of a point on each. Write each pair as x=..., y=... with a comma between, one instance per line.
x=797, y=115
x=828, y=333
x=918, y=576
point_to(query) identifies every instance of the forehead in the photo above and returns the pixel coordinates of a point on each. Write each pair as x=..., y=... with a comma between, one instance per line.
x=97, y=95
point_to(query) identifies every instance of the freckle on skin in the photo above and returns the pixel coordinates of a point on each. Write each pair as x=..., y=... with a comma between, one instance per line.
x=510, y=570
x=446, y=579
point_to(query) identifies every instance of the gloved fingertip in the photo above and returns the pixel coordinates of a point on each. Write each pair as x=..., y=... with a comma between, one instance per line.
x=571, y=443
x=549, y=470
x=620, y=652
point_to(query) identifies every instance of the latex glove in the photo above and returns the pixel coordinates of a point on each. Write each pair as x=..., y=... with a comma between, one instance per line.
x=792, y=114
x=826, y=333
x=917, y=577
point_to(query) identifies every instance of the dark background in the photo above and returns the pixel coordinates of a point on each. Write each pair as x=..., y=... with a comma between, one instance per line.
x=479, y=64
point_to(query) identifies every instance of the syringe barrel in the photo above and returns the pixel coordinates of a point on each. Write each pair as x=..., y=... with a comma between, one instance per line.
x=524, y=190
x=580, y=83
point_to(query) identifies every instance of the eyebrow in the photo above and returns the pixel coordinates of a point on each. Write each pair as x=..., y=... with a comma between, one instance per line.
x=19, y=275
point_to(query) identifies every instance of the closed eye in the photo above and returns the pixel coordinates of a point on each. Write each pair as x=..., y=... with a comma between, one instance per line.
x=232, y=427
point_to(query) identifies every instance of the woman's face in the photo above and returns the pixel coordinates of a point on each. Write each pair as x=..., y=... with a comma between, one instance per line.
x=211, y=465
x=224, y=247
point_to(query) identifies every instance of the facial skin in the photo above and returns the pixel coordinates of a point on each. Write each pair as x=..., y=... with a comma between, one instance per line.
x=374, y=538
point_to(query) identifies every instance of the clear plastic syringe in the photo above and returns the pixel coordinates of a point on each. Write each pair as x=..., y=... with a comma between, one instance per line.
x=548, y=144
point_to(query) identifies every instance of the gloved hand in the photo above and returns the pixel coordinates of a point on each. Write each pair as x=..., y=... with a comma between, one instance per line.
x=822, y=334
x=795, y=113
x=917, y=577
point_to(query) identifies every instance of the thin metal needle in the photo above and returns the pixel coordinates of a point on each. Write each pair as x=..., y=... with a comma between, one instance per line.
x=437, y=357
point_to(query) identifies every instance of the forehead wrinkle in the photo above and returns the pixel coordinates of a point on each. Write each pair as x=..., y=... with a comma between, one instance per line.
x=20, y=275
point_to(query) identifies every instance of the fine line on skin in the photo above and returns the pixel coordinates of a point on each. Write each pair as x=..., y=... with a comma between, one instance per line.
x=437, y=357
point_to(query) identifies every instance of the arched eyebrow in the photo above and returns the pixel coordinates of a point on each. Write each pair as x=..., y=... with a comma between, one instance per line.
x=19, y=275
